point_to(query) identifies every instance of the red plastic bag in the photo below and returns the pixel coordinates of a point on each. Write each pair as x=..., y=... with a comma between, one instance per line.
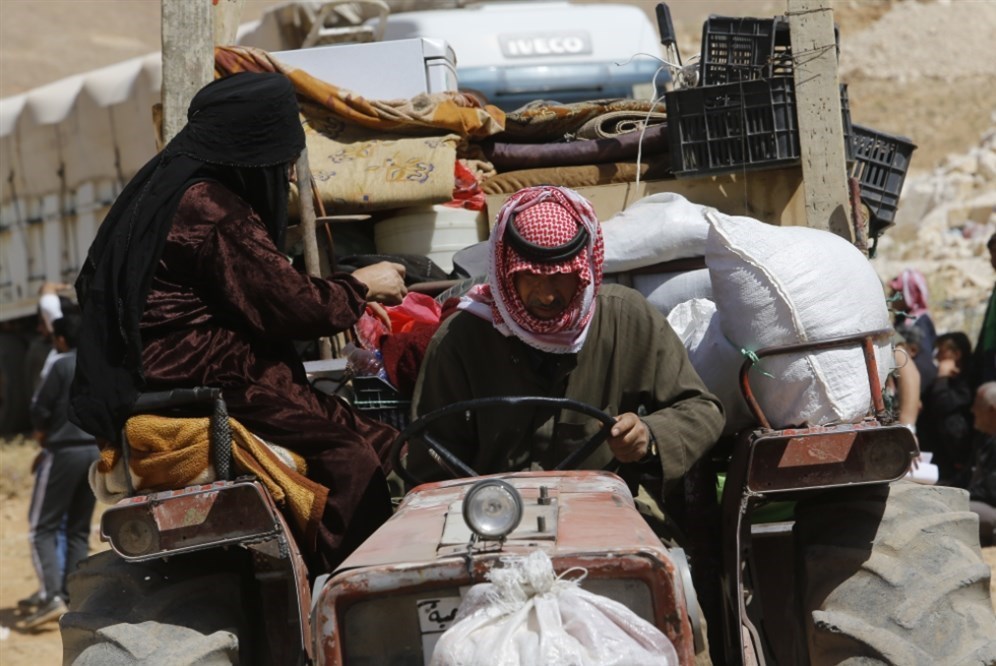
x=412, y=325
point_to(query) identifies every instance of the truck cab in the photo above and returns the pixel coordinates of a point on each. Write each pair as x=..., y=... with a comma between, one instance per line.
x=514, y=52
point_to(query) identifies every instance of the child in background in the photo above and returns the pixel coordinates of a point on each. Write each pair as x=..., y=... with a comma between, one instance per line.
x=946, y=421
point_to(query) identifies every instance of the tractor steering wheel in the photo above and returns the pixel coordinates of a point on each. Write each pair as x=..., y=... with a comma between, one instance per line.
x=457, y=468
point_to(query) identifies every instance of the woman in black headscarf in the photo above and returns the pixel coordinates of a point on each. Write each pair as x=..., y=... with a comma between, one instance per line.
x=186, y=284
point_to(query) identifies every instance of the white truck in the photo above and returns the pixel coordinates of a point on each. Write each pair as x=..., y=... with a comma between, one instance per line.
x=513, y=53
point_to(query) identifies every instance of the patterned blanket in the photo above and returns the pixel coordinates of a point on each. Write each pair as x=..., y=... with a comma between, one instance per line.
x=368, y=155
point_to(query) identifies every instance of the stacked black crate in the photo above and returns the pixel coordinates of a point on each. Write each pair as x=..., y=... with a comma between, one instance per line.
x=743, y=115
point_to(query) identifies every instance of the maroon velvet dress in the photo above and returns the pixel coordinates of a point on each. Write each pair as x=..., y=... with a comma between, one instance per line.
x=223, y=310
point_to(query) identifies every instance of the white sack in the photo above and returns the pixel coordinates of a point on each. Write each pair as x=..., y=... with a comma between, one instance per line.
x=527, y=616
x=714, y=358
x=665, y=290
x=657, y=228
x=785, y=285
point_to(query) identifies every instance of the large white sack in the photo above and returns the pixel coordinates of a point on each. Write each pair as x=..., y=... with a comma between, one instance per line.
x=714, y=358
x=526, y=615
x=654, y=229
x=785, y=285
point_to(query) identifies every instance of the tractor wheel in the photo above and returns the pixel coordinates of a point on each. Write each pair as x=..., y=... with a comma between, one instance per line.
x=152, y=612
x=894, y=575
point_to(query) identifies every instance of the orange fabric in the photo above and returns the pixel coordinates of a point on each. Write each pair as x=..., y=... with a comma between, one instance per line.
x=449, y=112
x=167, y=453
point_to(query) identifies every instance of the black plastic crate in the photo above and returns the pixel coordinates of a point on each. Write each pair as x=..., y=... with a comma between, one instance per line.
x=845, y=112
x=746, y=49
x=718, y=129
x=880, y=164
x=378, y=399
x=737, y=49
x=747, y=125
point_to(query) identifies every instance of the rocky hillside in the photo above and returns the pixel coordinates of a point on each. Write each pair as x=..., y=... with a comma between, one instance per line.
x=937, y=63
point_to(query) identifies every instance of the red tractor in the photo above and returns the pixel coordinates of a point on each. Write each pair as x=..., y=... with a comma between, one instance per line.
x=868, y=568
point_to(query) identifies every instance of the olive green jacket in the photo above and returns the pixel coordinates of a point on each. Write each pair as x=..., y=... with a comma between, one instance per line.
x=631, y=361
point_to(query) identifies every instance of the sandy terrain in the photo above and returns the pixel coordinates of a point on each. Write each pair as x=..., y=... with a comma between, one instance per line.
x=924, y=75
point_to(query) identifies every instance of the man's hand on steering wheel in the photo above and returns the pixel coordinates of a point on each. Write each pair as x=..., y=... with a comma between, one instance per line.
x=630, y=438
x=417, y=432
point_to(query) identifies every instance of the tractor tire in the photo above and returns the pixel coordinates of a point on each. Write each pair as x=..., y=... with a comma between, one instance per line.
x=893, y=574
x=152, y=613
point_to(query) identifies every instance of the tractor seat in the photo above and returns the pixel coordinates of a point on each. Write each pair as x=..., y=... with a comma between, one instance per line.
x=163, y=451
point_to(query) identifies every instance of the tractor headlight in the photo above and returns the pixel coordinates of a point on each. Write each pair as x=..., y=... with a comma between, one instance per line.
x=132, y=532
x=492, y=509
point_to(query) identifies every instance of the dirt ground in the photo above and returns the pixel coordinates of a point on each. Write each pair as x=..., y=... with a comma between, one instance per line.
x=943, y=111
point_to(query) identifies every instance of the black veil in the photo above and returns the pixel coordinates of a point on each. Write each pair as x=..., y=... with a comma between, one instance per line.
x=243, y=131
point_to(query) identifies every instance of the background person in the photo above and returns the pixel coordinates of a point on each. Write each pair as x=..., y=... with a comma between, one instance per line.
x=946, y=420
x=983, y=367
x=62, y=493
x=912, y=320
x=982, y=487
x=50, y=309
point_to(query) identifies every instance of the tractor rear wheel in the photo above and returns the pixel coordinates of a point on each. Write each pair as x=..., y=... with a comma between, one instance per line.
x=172, y=612
x=894, y=575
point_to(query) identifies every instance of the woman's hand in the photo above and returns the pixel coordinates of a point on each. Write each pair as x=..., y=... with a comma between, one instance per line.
x=385, y=282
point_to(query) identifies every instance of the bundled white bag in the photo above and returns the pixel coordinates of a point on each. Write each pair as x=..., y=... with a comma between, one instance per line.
x=714, y=358
x=527, y=615
x=657, y=228
x=664, y=291
x=784, y=285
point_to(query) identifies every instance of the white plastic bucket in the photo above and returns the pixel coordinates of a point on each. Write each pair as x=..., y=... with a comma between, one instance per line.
x=436, y=232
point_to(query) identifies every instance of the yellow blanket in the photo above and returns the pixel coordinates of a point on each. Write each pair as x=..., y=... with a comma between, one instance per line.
x=167, y=453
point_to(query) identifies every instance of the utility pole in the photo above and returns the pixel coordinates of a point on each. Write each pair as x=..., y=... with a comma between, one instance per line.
x=190, y=30
x=821, y=133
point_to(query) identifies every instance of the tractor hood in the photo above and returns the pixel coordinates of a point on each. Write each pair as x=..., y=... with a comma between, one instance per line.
x=587, y=511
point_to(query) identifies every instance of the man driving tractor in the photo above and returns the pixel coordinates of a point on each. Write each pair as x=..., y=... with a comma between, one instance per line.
x=544, y=325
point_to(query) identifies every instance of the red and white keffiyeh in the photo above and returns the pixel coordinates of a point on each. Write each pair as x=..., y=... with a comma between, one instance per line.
x=547, y=216
x=913, y=286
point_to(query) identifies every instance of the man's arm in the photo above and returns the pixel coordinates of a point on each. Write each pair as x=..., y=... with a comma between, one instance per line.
x=49, y=305
x=908, y=387
x=44, y=401
x=690, y=419
x=442, y=380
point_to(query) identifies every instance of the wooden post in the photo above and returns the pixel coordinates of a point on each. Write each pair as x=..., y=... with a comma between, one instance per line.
x=821, y=133
x=188, y=58
x=190, y=31
x=308, y=237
